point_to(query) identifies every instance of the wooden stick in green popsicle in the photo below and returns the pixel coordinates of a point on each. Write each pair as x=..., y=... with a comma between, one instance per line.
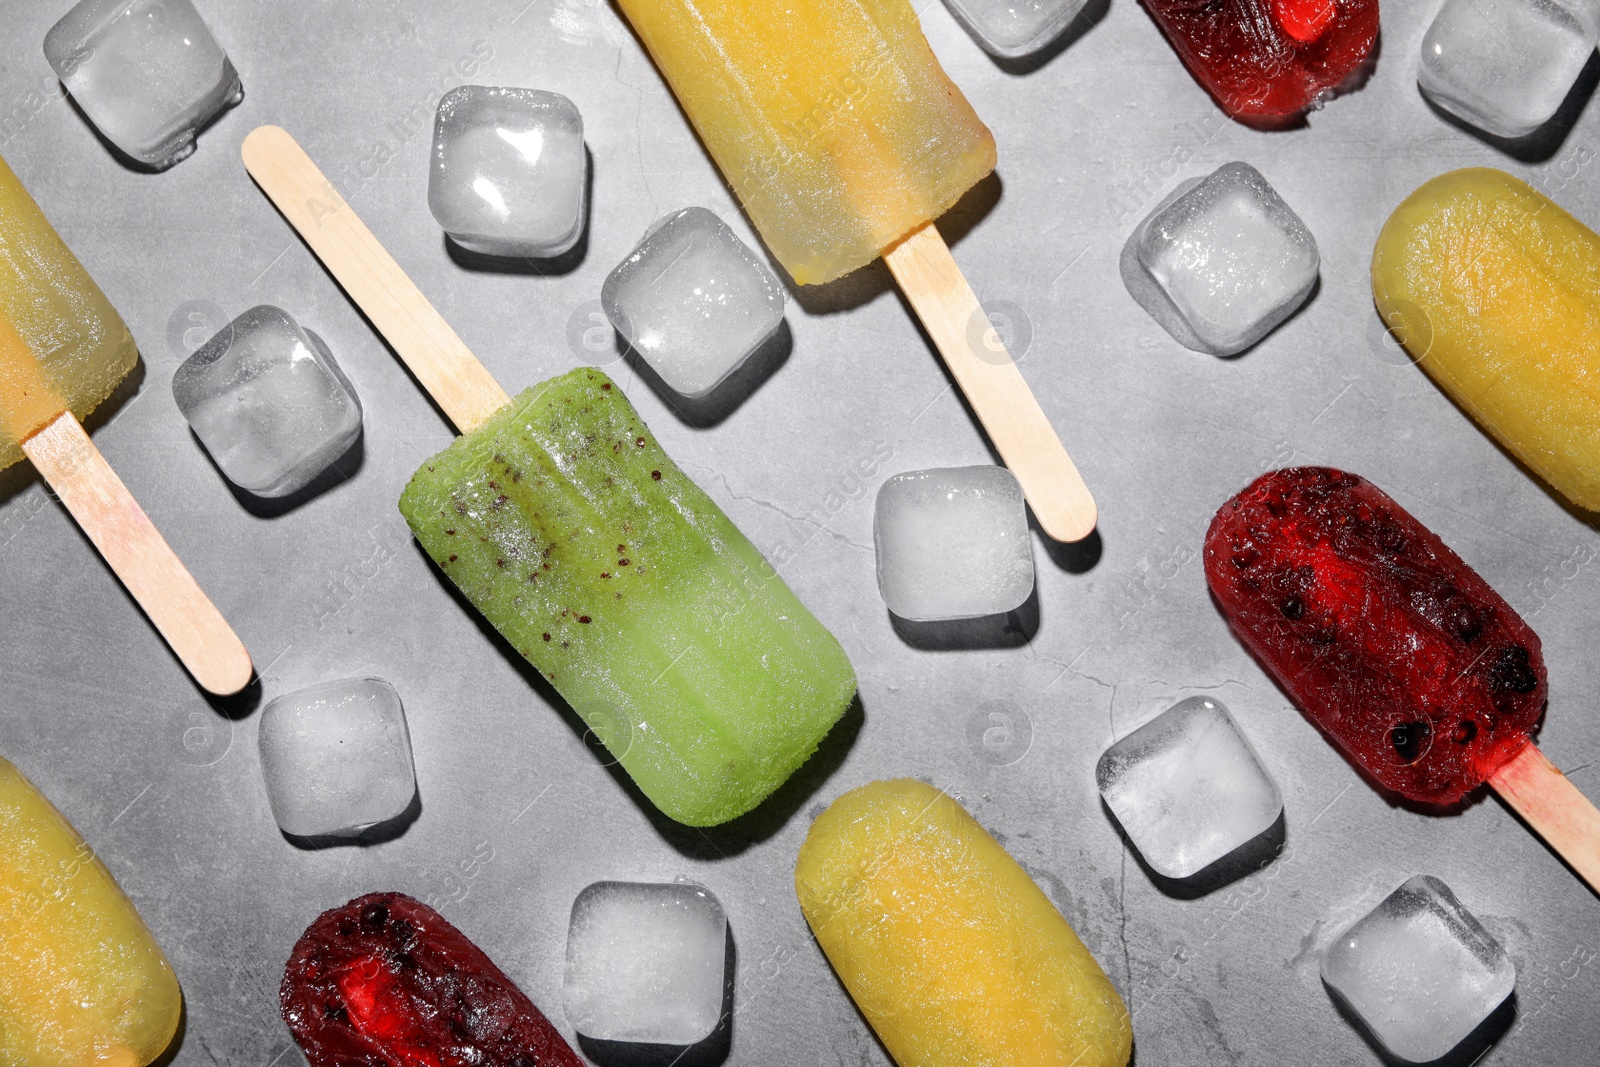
x=566, y=525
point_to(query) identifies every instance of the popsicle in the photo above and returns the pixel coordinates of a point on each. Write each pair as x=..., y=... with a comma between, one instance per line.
x=949, y=948
x=63, y=350
x=1491, y=288
x=844, y=140
x=1394, y=647
x=566, y=525
x=1267, y=61
x=386, y=980
x=81, y=980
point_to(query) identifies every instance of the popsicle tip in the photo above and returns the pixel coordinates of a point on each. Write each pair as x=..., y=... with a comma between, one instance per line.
x=222, y=667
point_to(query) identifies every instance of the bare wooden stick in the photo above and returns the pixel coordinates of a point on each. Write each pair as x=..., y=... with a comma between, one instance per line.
x=999, y=395
x=441, y=361
x=68, y=460
x=1552, y=805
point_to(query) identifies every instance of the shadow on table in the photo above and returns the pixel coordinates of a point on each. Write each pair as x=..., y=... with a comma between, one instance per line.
x=376, y=834
x=1472, y=1048
x=709, y=1052
x=1254, y=855
x=1011, y=629
x=709, y=842
x=707, y=411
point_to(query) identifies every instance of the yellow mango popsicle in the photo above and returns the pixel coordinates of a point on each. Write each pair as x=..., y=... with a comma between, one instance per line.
x=62, y=345
x=831, y=119
x=1495, y=291
x=950, y=950
x=81, y=979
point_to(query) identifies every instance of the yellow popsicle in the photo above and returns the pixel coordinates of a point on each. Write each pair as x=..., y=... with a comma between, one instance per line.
x=950, y=950
x=831, y=119
x=62, y=345
x=81, y=979
x=1495, y=291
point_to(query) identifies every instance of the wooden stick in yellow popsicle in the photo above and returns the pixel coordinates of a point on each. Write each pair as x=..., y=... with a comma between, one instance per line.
x=51, y=436
x=844, y=141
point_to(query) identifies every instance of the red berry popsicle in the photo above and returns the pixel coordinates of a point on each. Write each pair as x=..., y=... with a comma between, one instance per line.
x=385, y=981
x=1266, y=61
x=1392, y=646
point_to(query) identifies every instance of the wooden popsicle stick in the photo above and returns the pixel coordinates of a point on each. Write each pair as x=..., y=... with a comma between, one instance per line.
x=69, y=461
x=999, y=395
x=1552, y=805
x=439, y=359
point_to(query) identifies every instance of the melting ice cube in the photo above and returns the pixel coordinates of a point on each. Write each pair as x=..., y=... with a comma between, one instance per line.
x=269, y=402
x=1505, y=67
x=645, y=962
x=1188, y=788
x=1420, y=970
x=336, y=758
x=148, y=73
x=1231, y=256
x=509, y=174
x=693, y=300
x=952, y=543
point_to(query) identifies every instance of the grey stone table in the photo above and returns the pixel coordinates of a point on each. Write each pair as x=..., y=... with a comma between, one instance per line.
x=517, y=812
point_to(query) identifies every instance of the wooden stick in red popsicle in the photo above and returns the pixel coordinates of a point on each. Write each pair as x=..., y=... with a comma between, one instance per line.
x=1395, y=648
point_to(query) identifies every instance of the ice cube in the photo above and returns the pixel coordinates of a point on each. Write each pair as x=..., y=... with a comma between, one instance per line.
x=1419, y=970
x=645, y=962
x=952, y=543
x=1188, y=788
x=693, y=300
x=269, y=402
x=1231, y=256
x=1013, y=28
x=1505, y=67
x=336, y=758
x=148, y=73
x=509, y=174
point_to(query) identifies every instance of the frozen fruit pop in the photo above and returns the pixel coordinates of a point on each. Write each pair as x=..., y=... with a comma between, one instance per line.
x=1396, y=649
x=1266, y=61
x=386, y=981
x=64, y=350
x=567, y=526
x=949, y=948
x=565, y=523
x=1491, y=287
x=81, y=980
x=844, y=140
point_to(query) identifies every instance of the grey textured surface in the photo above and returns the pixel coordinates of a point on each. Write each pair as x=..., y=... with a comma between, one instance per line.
x=517, y=815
